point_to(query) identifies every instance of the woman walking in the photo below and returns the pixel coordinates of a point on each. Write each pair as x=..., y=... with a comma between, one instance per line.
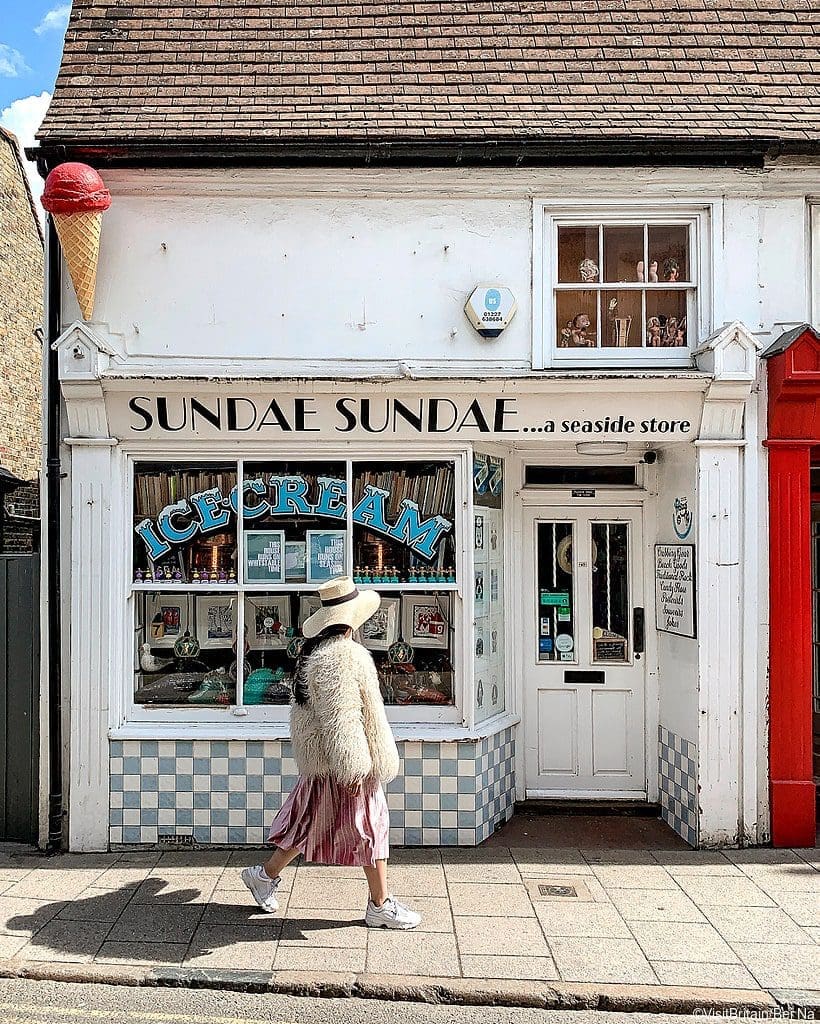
x=344, y=749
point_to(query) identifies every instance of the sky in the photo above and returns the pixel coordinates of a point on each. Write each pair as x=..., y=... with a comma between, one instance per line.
x=31, y=41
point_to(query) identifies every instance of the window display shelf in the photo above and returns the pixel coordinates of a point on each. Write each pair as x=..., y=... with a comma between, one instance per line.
x=190, y=588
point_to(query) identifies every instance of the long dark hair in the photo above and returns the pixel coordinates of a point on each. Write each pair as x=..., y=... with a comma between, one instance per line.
x=300, y=691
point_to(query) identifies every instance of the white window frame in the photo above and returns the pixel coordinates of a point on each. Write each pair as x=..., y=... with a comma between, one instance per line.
x=549, y=216
x=248, y=721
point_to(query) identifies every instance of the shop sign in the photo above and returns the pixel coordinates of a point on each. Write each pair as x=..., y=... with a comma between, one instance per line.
x=675, y=588
x=355, y=417
x=682, y=517
x=210, y=510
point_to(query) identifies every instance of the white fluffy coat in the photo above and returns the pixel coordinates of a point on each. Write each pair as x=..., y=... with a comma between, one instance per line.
x=342, y=731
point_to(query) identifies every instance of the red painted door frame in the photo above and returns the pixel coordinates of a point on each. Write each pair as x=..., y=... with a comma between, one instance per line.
x=794, y=430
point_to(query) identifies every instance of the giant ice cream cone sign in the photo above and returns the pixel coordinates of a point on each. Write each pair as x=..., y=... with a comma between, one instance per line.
x=76, y=198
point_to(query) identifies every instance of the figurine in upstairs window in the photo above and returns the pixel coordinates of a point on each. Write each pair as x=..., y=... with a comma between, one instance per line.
x=671, y=270
x=653, y=332
x=574, y=335
x=674, y=332
x=588, y=269
x=653, y=271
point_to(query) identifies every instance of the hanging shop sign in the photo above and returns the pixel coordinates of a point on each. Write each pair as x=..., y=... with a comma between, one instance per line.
x=508, y=416
x=675, y=588
x=210, y=510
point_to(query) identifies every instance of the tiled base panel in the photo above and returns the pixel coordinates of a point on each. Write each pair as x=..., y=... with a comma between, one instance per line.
x=678, y=782
x=220, y=792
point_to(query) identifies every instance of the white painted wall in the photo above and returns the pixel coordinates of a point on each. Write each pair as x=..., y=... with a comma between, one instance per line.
x=358, y=265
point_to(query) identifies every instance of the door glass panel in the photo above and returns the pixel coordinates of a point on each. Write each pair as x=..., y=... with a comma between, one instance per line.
x=610, y=592
x=555, y=614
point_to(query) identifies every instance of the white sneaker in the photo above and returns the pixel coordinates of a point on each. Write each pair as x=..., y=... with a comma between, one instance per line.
x=391, y=914
x=262, y=887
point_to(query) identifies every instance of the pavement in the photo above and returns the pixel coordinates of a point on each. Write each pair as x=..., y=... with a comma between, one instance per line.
x=602, y=928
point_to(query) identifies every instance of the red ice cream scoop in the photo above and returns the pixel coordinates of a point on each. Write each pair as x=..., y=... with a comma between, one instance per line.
x=75, y=188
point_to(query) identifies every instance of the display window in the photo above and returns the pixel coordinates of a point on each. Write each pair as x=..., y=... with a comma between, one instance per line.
x=623, y=288
x=223, y=550
x=488, y=586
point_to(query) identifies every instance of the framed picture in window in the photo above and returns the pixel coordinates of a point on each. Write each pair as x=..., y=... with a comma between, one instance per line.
x=264, y=556
x=215, y=620
x=480, y=589
x=166, y=618
x=426, y=620
x=295, y=561
x=325, y=555
x=382, y=628
x=267, y=618
x=308, y=604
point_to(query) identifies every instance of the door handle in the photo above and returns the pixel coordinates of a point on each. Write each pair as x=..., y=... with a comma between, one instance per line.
x=638, y=631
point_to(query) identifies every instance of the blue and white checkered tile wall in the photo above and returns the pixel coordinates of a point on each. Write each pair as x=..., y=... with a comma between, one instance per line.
x=678, y=783
x=220, y=792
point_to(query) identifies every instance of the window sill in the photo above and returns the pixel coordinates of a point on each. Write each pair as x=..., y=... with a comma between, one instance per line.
x=441, y=733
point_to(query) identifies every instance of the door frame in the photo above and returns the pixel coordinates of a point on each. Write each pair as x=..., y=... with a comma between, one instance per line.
x=644, y=504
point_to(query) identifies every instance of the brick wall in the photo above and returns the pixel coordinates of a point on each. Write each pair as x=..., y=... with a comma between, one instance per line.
x=21, y=310
x=19, y=515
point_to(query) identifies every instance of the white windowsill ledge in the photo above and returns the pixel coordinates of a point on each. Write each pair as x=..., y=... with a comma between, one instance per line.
x=442, y=733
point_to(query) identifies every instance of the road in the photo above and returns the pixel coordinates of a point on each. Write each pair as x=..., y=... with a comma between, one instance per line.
x=36, y=1002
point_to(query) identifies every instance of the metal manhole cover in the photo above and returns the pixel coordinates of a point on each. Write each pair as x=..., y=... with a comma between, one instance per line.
x=559, y=890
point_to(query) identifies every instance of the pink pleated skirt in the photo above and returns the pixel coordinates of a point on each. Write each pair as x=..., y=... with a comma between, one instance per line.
x=330, y=825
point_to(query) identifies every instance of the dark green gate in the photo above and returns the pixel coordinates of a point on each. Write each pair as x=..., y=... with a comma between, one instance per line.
x=19, y=695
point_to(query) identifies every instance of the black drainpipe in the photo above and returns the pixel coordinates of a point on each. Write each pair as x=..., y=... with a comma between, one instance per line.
x=53, y=483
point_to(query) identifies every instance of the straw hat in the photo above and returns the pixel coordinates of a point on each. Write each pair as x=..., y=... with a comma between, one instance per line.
x=342, y=605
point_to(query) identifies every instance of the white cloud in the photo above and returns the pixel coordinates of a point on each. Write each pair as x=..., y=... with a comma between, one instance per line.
x=12, y=62
x=55, y=21
x=23, y=117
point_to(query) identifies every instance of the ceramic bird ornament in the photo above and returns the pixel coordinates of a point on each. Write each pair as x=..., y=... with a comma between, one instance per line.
x=150, y=662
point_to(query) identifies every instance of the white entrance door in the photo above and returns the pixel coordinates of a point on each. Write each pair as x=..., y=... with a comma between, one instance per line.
x=584, y=663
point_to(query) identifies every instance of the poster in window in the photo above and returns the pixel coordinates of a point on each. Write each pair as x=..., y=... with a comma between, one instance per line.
x=166, y=618
x=382, y=628
x=215, y=621
x=480, y=589
x=267, y=618
x=264, y=556
x=295, y=561
x=480, y=537
x=325, y=555
x=309, y=604
x=426, y=620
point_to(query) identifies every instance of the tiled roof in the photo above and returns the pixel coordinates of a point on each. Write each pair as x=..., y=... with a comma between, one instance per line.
x=150, y=71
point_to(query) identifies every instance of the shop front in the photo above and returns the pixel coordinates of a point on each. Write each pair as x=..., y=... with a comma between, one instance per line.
x=544, y=549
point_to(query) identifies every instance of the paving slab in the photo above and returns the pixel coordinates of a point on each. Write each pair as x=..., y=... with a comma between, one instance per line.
x=633, y=876
x=104, y=905
x=781, y=966
x=324, y=929
x=418, y=880
x=52, y=883
x=331, y=893
x=654, y=905
x=436, y=915
x=232, y=907
x=592, y=920
x=520, y=936
x=728, y=891
x=148, y=953
x=471, y=899
x=230, y=947
x=602, y=960
x=175, y=889
x=66, y=941
x=803, y=908
x=681, y=940
x=751, y=924
x=696, y=862
x=703, y=975
x=26, y=916
x=463, y=867
x=319, y=958
x=538, y=968
x=536, y=861
x=395, y=952
x=169, y=924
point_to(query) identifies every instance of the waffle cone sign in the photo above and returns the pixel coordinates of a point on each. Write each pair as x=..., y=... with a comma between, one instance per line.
x=76, y=198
